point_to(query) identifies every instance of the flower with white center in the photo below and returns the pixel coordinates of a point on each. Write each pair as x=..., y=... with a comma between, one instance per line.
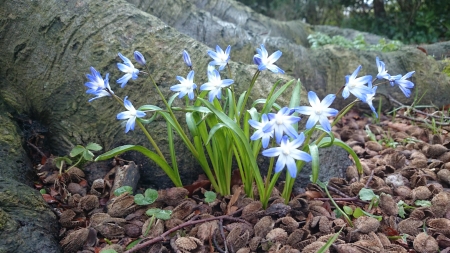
x=215, y=85
x=403, y=84
x=281, y=123
x=186, y=86
x=318, y=111
x=130, y=115
x=264, y=61
x=130, y=71
x=287, y=153
x=139, y=58
x=357, y=86
x=187, y=59
x=259, y=133
x=382, y=72
x=220, y=57
x=97, y=86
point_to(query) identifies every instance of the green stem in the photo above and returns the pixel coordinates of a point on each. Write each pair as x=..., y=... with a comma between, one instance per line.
x=147, y=134
x=252, y=83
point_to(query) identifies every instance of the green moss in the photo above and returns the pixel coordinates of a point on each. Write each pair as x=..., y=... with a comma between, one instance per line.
x=446, y=69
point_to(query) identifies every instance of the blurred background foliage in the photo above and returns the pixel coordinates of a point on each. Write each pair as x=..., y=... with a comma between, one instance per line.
x=410, y=21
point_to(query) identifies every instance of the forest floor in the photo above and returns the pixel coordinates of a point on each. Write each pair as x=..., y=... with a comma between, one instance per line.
x=399, y=204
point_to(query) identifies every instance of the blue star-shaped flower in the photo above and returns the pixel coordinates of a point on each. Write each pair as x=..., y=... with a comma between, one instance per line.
x=281, y=123
x=259, y=133
x=264, y=61
x=186, y=86
x=382, y=72
x=215, y=85
x=220, y=57
x=357, y=86
x=287, y=153
x=187, y=59
x=131, y=115
x=97, y=85
x=318, y=111
x=403, y=84
x=130, y=71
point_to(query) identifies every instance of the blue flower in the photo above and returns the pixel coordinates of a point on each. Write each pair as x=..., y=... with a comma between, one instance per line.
x=128, y=68
x=369, y=100
x=186, y=86
x=97, y=86
x=267, y=62
x=318, y=111
x=187, y=59
x=215, y=85
x=281, y=122
x=287, y=153
x=382, y=72
x=139, y=58
x=403, y=84
x=220, y=57
x=357, y=86
x=131, y=115
x=260, y=134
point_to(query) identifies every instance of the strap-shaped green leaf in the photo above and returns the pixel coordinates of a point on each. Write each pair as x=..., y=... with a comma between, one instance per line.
x=325, y=141
x=315, y=168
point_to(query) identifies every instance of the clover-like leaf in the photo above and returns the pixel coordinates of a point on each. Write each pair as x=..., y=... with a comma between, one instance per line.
x=210, y=196
x=59, y=161
x=367, y=194
x=78, y=149
x=93, y=146
x=123, y=189
x=159, y=213
x=358, y=212
x=348, y=210
x=148, y=198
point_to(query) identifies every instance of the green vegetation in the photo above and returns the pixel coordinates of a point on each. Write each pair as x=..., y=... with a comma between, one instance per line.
x=410, y=21
x=318, y=40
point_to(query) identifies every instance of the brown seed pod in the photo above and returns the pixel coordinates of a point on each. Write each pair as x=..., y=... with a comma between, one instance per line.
x=314, y=247
x=440, y=204
x=374, y=146
x=435, y=150
x=410, y=226
x=421, y=192
x=440, y=224
x=237, y=238
x=88, y=202
x=76, y=175
x=424, y=243
x=388, y=205
x=443, y=175
x=188, y=243
x=263, y=226
x=366, y=224
x=297, y=236
x=287, y=223
x=74, y=240
x=75, y=188
x=277, y=235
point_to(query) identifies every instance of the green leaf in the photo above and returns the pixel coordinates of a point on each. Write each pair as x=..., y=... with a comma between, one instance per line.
x=133, y=243
x=330, y=241
x=158, y=213
x=77, y=150
x=213, y=131
x=148, y=198
x=108, y=251
x=88, y=155
x=401, y=211
x=60, y=160
x=358, y=212
x=42, y=191
x=151, y=194
x=348, y=210
x=423, y=203
x=119, y=191
x=150, y=108
x=314, y=152
x=93, y=146
x=379, y=218
x=210, y=196
x=367, y=194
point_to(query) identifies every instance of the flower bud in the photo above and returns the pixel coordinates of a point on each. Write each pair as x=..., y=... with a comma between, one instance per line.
x=187, y=59
x=139, y=58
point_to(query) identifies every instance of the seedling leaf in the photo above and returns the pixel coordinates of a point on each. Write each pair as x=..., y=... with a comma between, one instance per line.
x=77, y=150
x=123, y=189
x=93, y=146
x=210, y=196
x=367, y=194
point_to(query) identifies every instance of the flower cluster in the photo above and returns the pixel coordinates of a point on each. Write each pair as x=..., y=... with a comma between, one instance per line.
x=275, y=129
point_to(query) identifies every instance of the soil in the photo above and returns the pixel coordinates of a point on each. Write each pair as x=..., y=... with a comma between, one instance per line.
x=399, y=204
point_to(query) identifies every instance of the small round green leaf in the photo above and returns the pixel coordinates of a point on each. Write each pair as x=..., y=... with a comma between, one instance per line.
x=93, y=146
x=348, y=210
x=210, y=196
x=42, y=191
x=123, y=189
x=77, y=150
x=159, y=213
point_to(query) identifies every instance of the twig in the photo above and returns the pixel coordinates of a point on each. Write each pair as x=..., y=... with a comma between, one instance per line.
x=419, y=112
x=163, y=236
x=424, y=120
x=37, y=149
x=223, y=234
x=369, y=180
x=215, y=242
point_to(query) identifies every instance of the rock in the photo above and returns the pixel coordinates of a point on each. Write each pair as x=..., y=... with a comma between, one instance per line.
x=26, y=221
